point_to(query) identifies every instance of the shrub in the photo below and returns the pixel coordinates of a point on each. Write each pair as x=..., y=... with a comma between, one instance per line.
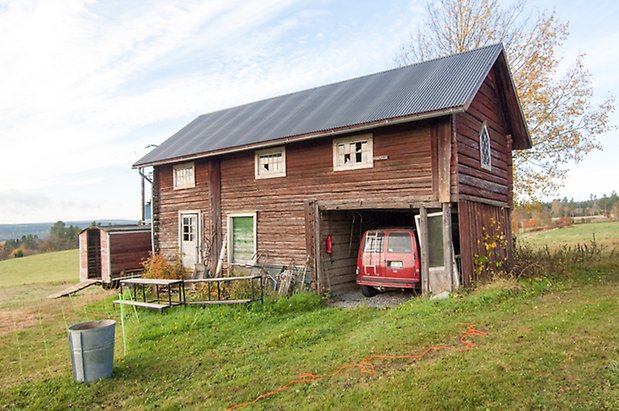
x=156, y=266
x=529, y=262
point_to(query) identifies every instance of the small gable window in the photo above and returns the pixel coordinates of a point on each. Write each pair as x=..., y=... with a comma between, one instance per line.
x=271, y=163
x=485, y=153
x=353, y=152
x=184, y=176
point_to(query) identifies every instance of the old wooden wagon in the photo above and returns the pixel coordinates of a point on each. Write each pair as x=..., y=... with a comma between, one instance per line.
x=108, y=253
x=270, y=181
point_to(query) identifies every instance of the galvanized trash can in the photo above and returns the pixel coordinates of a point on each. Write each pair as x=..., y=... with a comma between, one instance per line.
x=92, y=350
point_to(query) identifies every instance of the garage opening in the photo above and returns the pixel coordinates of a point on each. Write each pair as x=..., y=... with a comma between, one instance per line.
x=345, y=229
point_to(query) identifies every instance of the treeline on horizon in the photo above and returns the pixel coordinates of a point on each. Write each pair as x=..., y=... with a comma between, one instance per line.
x=564, y=212
x=61, y=237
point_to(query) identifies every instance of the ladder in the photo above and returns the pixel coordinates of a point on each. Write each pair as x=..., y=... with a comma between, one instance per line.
x=375, y=252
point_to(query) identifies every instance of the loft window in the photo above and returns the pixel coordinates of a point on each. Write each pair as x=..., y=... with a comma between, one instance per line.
x=184, y=176
x=353, y=152
x=271, y=163
x=485, y=153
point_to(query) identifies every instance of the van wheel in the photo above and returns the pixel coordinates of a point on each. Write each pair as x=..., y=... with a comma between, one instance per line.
x=368, y=291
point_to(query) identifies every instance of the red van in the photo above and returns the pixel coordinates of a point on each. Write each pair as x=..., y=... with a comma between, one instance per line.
x=388, y=258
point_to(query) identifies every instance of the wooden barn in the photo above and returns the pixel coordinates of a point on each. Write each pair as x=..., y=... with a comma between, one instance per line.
x=108, y=253
x=427, y=145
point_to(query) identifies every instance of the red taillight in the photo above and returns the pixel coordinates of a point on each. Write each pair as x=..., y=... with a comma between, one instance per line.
x=329, y=244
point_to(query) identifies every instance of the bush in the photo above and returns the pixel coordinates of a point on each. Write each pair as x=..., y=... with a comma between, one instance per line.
x=530, y=262
x=156, y=266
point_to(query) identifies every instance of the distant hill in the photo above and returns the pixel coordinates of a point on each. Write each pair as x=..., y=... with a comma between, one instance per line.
x=16, y=231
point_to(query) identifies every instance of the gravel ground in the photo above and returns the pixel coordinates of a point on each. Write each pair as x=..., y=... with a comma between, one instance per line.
x=354, y=298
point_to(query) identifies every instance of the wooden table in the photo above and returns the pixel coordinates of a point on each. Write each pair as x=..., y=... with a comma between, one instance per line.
x=155, y=302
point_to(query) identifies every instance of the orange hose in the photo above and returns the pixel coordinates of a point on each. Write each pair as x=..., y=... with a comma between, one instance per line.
x=365, y=366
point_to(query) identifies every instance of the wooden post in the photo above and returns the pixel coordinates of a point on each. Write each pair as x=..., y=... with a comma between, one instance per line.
x=317, y=248
x=214, y=187
x=448, y=247
x=310, y=241
x=423, y=239
x=444, y=162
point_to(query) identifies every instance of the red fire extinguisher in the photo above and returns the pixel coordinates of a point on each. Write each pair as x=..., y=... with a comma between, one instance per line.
x=329, y=244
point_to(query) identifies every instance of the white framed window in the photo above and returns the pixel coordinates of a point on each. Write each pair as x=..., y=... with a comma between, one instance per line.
x=184, y=176
x=353, y=152
x=485, y=153
x=242, y=239
x=271, y=163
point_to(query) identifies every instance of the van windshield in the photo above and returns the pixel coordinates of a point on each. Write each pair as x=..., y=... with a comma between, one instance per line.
x=400, y=243
x=374, y=242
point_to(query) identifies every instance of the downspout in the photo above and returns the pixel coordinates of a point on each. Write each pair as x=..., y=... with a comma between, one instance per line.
x=152, y=234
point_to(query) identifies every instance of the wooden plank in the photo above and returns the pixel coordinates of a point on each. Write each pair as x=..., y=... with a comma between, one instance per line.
x=217, y=279
x=151, y=281
x=217, y=302
x=74, y=288
x=154, y=306
x=483, y=200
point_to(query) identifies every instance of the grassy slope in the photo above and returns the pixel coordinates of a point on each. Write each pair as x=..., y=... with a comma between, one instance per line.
x=606, y=234
x=56, y=267
x=551, y=344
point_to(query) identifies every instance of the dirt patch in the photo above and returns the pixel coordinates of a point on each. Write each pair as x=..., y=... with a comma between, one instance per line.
x=25, y=310
x=353, y=298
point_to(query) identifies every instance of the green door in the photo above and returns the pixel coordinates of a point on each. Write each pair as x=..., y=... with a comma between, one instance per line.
x=242, y=247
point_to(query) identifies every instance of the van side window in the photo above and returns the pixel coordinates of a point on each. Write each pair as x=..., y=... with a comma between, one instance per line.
x=400, y=243
x=374, y=242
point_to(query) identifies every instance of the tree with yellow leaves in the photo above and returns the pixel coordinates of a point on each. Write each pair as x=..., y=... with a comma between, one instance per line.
x=563, y=121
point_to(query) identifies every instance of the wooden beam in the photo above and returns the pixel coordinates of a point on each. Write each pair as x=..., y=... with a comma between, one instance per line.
x=444, y=162
x=214, y=188
x=369, y=204
x=423, y=239
x=475, y=199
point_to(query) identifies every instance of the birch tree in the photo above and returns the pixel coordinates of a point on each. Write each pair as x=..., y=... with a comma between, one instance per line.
x=563, y=121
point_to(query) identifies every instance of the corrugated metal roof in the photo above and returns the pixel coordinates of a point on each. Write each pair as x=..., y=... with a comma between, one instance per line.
x=435, y=86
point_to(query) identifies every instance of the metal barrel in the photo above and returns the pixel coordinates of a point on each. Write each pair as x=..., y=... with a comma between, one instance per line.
x=92, y=350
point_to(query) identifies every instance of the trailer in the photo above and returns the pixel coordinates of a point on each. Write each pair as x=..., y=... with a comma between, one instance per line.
x=110, y=253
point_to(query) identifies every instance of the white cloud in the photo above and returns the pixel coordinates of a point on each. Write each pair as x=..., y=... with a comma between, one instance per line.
x=86, y=85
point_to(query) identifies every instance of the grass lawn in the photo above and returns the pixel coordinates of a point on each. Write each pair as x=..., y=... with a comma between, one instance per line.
x=606, y=234
x=56, y=267
x=551, y=343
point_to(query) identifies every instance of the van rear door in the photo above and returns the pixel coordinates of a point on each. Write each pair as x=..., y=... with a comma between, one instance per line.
x=373, y=253
x=399, y=255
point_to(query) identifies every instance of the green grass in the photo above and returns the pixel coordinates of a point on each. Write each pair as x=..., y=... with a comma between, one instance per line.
x=55, y=267
x=606, y=234
x=551, y=343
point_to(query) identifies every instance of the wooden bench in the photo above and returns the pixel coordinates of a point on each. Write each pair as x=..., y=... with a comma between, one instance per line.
x=154, y=306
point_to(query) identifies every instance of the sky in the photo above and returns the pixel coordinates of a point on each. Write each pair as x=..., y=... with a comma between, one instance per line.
x=86, y=85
